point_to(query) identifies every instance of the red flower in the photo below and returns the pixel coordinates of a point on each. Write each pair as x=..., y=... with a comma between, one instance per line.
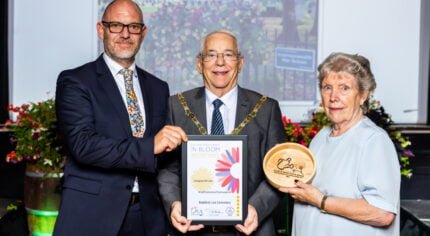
x=10, y=107
x=12, y=154
x=303, y=143
x=284, y=120
x=25, y=106
x=11, y=157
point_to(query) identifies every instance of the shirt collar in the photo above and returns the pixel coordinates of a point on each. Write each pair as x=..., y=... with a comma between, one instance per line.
x=115, y=68
x=229, y=99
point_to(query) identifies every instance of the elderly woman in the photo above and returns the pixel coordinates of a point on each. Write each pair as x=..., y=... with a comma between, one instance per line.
x=356, y=187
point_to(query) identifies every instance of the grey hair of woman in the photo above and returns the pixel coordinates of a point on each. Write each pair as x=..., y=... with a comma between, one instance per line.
x=353, y=64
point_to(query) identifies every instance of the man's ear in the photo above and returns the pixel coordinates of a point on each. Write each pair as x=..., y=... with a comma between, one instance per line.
x=100, y=31
x=199, y=64
x=240, y=63
x=144, y=31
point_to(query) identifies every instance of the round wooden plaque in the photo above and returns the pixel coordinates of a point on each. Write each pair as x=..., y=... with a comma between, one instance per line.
x=289, y=161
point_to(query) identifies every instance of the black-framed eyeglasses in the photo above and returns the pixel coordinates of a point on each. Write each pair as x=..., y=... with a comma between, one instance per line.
x=213, y=56
x=117, y=27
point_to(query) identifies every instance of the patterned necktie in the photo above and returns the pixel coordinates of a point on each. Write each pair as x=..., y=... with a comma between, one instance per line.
x=136, y=120
x=217, y=126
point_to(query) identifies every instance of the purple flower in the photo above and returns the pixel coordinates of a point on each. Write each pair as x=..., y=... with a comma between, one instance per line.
x=408, y=153
x=35, y=135
x=12, y=140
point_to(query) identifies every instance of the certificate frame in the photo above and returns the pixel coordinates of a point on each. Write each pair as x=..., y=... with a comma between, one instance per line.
x=214, y=179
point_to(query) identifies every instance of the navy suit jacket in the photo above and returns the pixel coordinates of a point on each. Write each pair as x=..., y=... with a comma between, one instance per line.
x=104, y=156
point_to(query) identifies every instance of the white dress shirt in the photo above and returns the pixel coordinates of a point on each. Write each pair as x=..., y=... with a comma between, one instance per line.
x=227, y=109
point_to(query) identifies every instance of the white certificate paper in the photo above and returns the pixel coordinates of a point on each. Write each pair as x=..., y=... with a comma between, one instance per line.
x=214, y=187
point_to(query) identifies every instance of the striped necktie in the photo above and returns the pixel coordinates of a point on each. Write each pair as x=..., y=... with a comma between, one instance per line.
x=136, y=120
x=217, y=126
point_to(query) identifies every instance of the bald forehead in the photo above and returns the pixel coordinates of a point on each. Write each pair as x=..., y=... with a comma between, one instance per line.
x=122, y=5
x=221, y=36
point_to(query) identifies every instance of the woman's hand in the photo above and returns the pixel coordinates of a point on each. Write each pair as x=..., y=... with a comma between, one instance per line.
x=358, y=210
x=305, y=193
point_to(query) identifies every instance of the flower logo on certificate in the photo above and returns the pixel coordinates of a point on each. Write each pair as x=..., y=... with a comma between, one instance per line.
x=228, y=169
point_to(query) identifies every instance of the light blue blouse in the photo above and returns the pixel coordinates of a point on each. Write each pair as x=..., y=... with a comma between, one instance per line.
x=361, y=163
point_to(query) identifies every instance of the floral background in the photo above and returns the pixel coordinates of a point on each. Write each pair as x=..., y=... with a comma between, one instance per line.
x=177, y=27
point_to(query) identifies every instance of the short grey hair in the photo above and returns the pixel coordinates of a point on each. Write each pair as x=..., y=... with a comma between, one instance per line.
x=353, y=64
x=223, y=31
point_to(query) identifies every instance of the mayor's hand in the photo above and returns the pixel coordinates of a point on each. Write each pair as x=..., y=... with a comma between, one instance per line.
x=168, y=138
x=181, y=223
x=251, y=222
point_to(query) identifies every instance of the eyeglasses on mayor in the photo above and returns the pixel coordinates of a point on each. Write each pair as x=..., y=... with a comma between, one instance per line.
x=212, y=56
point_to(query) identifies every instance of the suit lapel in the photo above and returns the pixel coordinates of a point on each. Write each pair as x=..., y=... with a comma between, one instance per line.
x=198, y=106
x=146, y=95
x=243, y=107
x=108, y=84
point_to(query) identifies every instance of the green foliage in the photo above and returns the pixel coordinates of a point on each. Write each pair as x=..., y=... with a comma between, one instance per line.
x=35, y=137
x=11, y=207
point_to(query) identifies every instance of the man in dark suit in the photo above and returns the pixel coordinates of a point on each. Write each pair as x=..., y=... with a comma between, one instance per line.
x=112, y=114
x=220, y=63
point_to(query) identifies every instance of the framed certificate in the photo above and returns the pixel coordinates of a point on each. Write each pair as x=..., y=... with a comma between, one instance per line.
x=214, y=179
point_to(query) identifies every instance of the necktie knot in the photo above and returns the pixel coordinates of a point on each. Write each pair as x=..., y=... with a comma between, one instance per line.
x=217, y=103
x=128, y=75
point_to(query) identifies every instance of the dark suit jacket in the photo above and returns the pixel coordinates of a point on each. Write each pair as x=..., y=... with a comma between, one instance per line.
x=104, y=156
x=264, y=132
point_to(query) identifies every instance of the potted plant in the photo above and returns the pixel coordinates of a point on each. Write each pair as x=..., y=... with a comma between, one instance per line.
x=37, y=143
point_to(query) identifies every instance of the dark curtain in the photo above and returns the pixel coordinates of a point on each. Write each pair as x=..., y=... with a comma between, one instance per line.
x=4, y=72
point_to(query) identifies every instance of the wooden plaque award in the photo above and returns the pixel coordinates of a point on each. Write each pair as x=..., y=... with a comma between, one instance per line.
x=289, y=161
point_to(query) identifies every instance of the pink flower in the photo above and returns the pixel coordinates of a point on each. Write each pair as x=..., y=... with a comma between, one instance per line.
x=408, y=153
